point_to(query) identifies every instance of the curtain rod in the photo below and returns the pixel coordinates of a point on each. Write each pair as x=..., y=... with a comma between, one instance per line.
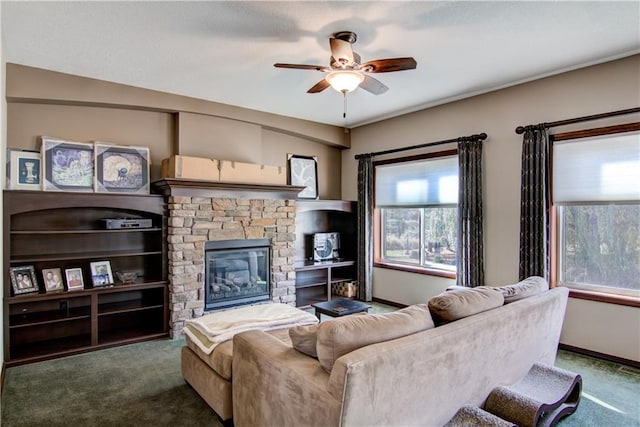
x=521, y=129
x=480, y=136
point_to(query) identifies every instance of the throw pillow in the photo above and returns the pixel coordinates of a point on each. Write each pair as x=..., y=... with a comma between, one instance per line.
x=343, y=335
x=303, y=339
x=530, y=286
x=458, y=303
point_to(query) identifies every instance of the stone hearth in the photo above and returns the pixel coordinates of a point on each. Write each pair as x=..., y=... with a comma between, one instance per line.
x=257, y=213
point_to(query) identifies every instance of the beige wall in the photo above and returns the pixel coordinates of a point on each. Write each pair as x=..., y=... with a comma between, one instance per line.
x=35, y=85
x=200, y=135
x=26, y=122
x=606, y=87
x=274, y=144
x=42, y=102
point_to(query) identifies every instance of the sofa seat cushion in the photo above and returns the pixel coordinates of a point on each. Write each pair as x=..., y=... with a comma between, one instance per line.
x=340, y=336
x=528, y=287
x=220, y=358
x=458, y=303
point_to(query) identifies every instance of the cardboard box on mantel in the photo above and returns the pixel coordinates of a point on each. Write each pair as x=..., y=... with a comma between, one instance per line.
x=178, y=166
x=231, y=171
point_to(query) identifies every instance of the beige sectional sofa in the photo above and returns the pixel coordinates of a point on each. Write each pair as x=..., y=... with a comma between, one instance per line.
x=364, y=375
x=210, y=374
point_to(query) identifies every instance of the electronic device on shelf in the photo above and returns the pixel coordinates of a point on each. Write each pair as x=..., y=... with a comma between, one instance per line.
x=326, y=246
x=119, y=223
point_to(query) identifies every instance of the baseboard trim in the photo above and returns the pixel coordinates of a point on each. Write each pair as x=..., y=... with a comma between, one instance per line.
x=392, y=303
x=598, y=355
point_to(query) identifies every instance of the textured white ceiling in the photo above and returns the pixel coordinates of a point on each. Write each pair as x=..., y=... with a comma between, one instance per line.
x=225, y=51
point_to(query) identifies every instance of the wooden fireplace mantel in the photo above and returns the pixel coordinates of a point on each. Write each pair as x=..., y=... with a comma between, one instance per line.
x=203, y=188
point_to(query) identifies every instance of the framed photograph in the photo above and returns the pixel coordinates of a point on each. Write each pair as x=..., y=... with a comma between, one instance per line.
x=52, y=278
x=101, y=273
x=67, y=166
x=24, y=170
x=121, y=169
x=23, y=279
x=74, y=279
x=303, y=171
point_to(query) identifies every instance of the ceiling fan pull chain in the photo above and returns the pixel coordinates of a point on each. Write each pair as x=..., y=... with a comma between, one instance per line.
x=344, y=114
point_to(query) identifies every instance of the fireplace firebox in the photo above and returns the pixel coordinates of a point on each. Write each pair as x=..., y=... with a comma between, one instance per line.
x=237, y=272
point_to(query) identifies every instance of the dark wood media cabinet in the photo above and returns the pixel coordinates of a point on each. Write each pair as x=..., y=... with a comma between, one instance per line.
x=65, y=230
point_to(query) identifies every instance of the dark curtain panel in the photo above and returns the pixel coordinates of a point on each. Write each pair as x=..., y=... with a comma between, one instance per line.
x=365, y=228
x=534, y=203
x=470, y=260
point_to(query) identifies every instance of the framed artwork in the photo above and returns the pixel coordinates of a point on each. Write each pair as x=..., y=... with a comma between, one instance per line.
x=101, y=273
x=67, y=166
x=74, y=279
x=23, y=279
x=121, y=169
x=24, y=170
x=303, y=171
x=52, y=278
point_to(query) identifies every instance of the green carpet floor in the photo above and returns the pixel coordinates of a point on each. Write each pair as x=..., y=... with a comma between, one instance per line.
x=610, y=392
x=141, y=385
x=133, y=385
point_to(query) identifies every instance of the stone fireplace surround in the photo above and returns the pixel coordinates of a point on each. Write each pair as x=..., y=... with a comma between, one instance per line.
x=198, y=211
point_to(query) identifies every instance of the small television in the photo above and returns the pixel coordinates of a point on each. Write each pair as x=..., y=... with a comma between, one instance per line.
x=326, y=246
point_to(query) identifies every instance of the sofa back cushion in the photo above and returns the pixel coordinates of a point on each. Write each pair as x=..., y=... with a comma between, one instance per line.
x=529, y=287
x=340, y=336
x=458, y=303
x=303, y=338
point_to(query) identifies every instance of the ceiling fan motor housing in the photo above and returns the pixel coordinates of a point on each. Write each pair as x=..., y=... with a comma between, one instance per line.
x=347, y=36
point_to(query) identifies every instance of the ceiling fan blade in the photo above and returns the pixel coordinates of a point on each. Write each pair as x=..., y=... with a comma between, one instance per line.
x=303, y=67
x=374, y=86
x=319, y=87
x=341, y=51
x=388, y=65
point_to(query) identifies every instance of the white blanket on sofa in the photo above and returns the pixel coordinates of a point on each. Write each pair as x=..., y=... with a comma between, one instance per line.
x=212, y=329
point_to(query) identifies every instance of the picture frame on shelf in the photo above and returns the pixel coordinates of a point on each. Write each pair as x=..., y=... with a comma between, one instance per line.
x=101, y=273
x=24, y=170
x=303, y=171
x=23, y=280
x=121, y=169
x=52, y=279
x=75, y=281
x=67, y=166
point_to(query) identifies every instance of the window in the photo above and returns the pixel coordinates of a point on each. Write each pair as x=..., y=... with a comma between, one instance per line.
x=596, y=192
x=417, y=213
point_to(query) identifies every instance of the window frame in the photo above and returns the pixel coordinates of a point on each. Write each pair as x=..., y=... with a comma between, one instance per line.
x=378, y=261
x=555, y=234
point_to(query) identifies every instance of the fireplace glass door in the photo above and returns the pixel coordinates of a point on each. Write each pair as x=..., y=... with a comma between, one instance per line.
x=236, y=272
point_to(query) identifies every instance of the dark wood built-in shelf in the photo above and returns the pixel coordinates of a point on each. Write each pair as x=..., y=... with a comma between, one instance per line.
x=80, y=256
x=66, y=230
x=124, y=230
x=320, y=265
x=46, y=317
x=314, y=278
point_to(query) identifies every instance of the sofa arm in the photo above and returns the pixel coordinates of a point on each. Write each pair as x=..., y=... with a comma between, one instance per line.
x=275, y=385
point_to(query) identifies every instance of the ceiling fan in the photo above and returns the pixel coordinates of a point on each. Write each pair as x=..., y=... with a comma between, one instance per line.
x=346, y=72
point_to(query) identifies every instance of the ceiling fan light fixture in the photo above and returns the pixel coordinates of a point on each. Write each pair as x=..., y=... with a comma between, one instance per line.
x=344, y=81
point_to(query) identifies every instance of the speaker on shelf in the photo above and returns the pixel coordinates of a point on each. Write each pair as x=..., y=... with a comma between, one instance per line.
x=326, y=246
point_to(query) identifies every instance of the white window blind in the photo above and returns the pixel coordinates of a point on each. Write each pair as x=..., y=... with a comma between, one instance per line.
x=429, y=182
x=599, y=169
